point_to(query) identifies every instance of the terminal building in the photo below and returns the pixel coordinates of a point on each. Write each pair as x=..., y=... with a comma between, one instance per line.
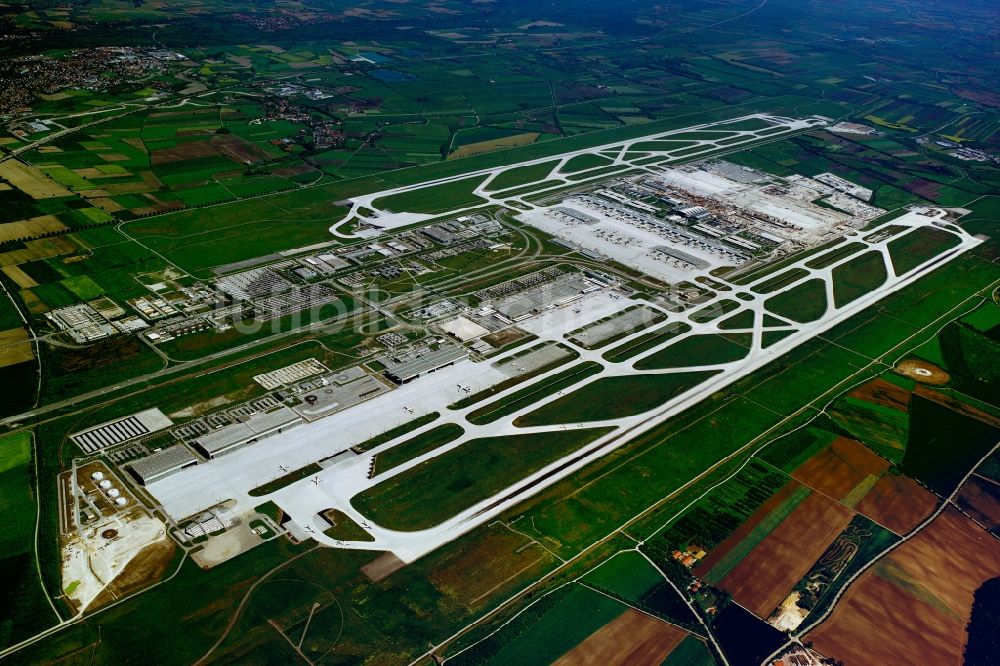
x=247, y=431
x=405, y=367
x=162, y=464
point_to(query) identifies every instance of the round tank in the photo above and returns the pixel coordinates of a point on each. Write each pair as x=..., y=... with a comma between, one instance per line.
x=121, y=501
x=114, y=492
x=97, y=476
x=105, y=484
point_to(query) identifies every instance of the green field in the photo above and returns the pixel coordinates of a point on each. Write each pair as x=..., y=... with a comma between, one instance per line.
x=706, y=349
x=286, y=480
x=549, y=629
x=23, y=609
x=778, y=281
x=521, y=176
x=443, y=486
x=909, y=251
x=803, y=303
x=936, y=429
x=435, y=199
x=613, y=398
x=627, y=574
x=857, y=277
x=417, y=446
x=645, y=342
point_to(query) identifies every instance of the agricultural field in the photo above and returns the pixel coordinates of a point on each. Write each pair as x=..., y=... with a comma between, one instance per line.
x=24, y=604
x=939, y=603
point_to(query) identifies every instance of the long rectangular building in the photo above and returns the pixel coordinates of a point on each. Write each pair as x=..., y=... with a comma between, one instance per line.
x=121, y=430
x=409, y=365
x=162, y=464
x=231, y=437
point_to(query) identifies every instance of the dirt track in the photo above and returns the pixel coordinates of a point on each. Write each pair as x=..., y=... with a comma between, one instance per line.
x=912, y=607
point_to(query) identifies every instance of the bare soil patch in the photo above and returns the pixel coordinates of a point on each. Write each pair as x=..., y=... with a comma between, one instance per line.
x=632, y=638
x=15, y=347
x=20, y=278
x=30, y=228
x=238, y=149
x=31, y=181
x=185, y=151
x=382, y=566
x=488, y=567
x=923, y=372
x=295, y=170
x=980, y=498
x=504, y=337
x=146, y=568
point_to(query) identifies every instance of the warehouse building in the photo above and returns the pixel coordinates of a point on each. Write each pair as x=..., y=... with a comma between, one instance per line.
x=439, y=235
x=107, y=434
x=231, y=437
x=162, y=464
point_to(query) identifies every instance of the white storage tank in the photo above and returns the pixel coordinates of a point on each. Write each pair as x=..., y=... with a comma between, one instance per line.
x=105, y=484
x=97, y=476
x=121, y=501
x=114, y=492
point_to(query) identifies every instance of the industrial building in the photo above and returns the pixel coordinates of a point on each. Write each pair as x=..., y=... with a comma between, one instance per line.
x=231, y=437
x=120, y=430
x=439, y=235
x=162, y=464
x=407, y=366
x=82, y=322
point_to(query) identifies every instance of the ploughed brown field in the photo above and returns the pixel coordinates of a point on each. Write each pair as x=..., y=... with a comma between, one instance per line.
x=881, y=392
x=767, y=574
x=840, y=468
x=632, y=638
x=913, y=606
x=956, y=405
x=898, y=503
x=730, y=542
x=980, y=498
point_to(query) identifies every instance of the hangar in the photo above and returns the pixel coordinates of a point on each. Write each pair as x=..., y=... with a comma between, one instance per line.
x=162, y=464
x=231, y=437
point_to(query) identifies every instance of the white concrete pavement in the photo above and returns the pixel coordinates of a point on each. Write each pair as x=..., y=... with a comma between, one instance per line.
x=337, y=485
x=385, y=219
